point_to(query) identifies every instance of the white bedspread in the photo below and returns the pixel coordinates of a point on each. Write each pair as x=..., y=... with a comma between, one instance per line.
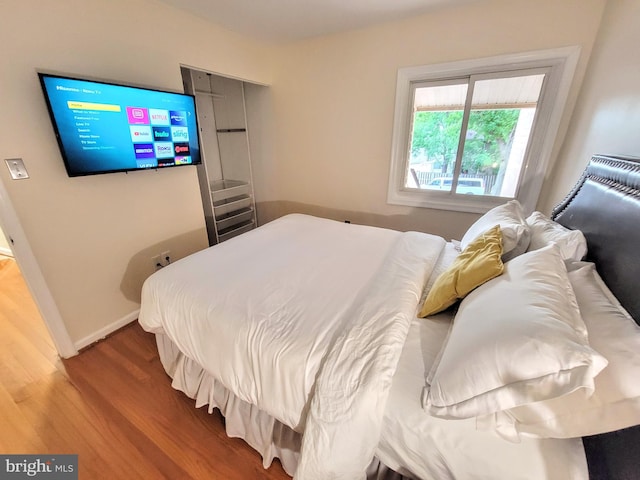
x=321, y=315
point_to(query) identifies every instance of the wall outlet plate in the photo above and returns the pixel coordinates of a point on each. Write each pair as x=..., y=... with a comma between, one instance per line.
x=162, y=260
x=17, y=168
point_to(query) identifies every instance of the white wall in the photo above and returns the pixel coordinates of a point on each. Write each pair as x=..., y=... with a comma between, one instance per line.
x=334, y=99
x=93, y=236
x=5, y=249
x=607, y=114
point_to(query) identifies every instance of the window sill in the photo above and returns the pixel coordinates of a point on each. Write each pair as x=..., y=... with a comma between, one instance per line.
x=444, y=201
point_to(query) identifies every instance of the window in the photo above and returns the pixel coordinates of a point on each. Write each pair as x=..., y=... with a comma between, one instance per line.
x=470, y=135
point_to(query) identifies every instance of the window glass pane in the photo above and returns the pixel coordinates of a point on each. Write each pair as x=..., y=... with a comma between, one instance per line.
x=437, y=123
x=500, y=123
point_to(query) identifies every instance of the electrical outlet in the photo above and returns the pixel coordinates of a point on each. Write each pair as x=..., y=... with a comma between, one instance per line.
x=162, y=260
x=156, y=262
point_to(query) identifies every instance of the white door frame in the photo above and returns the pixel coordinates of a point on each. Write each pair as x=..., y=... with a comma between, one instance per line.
x=33, y=276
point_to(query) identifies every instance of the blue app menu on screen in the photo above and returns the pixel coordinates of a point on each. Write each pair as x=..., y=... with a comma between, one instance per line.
x=103, y=127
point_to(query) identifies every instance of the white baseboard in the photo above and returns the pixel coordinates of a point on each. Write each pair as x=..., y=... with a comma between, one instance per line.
x=103, y=332
x=6, y=251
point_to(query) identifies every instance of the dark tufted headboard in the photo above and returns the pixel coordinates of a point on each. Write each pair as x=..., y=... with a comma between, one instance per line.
x=605, y=206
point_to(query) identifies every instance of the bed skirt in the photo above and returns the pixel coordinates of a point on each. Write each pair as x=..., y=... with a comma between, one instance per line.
x=269, y=437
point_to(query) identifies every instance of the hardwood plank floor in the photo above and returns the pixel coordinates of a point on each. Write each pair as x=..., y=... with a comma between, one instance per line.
x=113, y=405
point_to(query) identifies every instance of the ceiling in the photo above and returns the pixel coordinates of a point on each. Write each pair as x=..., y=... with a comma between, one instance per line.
x=282, y=21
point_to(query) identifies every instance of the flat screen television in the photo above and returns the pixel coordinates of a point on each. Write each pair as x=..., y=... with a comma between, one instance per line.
x=104, y=127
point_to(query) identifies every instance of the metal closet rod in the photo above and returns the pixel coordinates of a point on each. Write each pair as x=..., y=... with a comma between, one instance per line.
x=209, y=94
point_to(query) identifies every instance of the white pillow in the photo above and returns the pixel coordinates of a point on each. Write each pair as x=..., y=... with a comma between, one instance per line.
x=515, y=231
x=572, y=243
x=515, y=340
x=615, y=404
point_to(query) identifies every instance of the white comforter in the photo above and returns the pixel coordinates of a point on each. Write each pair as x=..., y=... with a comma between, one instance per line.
x=306, y=319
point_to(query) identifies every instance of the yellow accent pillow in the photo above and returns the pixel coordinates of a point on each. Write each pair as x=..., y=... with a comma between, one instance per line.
x=478, y=263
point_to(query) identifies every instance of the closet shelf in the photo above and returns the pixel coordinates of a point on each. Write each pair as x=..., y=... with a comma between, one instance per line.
x=222, y=207
x=235, y=231
x=223, y=189
x=233, y=219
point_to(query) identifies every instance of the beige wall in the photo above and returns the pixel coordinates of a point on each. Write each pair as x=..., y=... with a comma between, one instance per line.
x=93, y=236
x=334, y=99
x=607, y=113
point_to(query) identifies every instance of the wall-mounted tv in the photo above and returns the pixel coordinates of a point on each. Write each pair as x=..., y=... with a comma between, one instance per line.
x=104, y=127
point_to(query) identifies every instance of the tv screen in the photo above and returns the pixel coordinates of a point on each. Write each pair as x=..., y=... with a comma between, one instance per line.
x=104, y=128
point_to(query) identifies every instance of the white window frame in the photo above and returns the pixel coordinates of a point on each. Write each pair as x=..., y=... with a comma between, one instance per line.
x=561, y=63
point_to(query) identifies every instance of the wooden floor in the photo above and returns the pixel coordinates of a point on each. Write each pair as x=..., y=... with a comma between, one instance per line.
x=112, y=405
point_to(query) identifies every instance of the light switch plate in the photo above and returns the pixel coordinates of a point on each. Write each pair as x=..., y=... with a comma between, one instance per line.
x=17, y=168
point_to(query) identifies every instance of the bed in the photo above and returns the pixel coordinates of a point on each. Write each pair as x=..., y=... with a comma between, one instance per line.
x=309, y=337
